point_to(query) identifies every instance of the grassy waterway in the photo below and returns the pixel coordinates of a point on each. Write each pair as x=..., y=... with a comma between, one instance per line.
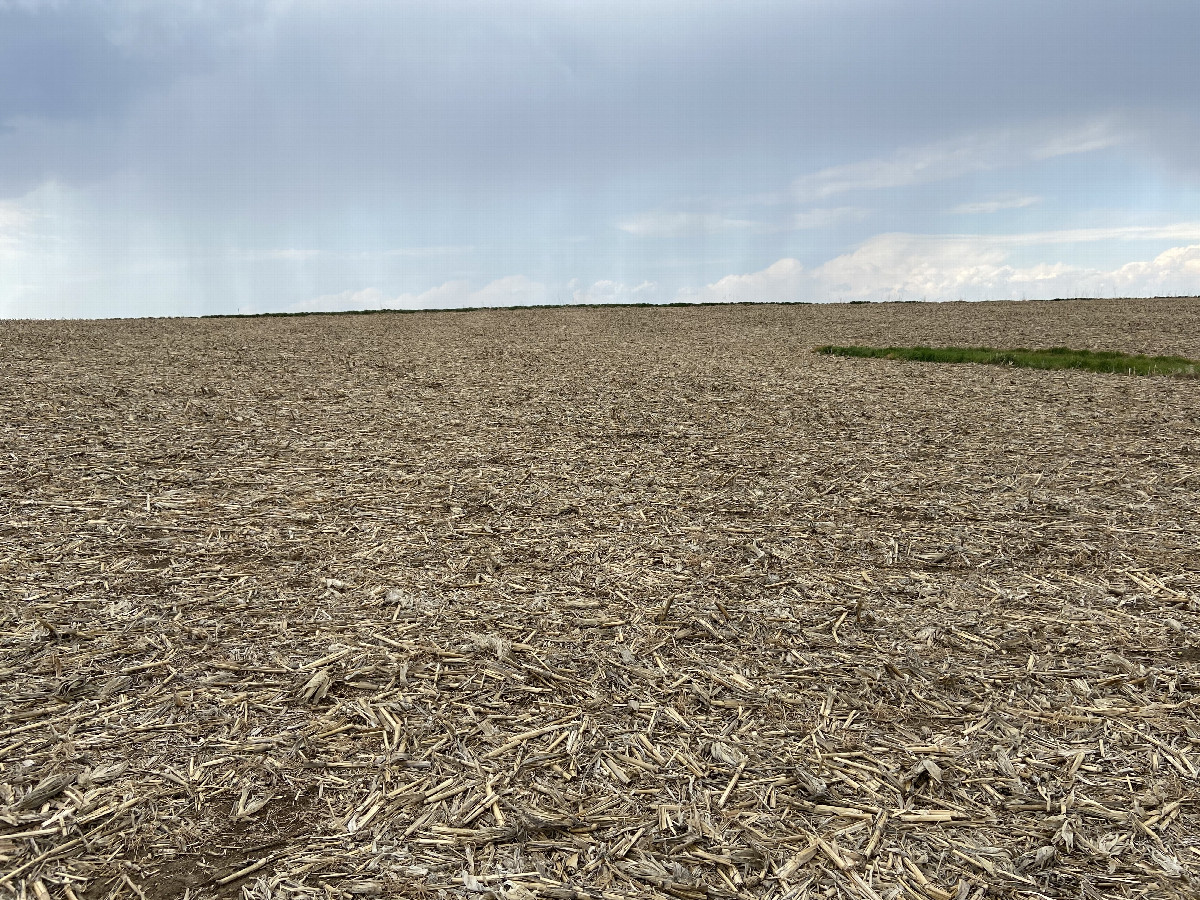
x=1052, y=358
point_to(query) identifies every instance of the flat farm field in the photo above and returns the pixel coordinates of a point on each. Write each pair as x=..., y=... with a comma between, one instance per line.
x=605, y=603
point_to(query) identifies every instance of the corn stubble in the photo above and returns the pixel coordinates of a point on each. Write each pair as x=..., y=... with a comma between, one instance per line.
x=605, y=603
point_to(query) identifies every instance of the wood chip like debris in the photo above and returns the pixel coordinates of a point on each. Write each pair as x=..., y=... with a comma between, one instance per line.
x=598, y=603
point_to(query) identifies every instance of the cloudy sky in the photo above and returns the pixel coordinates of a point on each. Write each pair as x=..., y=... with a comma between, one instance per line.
x=203, y=156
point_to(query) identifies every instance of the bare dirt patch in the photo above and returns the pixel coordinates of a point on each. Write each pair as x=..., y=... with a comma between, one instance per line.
x=599, y=603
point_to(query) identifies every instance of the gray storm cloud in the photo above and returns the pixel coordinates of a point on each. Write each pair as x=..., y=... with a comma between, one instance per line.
x=479, y=94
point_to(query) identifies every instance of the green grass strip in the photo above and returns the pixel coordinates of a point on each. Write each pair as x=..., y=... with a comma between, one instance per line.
x=1052, y=358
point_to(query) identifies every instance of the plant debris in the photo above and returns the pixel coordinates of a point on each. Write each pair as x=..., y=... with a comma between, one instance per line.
x=598, y=603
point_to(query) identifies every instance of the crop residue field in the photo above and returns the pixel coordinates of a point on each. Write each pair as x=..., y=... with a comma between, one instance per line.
x=599, y=603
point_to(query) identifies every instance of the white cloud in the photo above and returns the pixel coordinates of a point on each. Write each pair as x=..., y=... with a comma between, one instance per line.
x=438, y=250
x=1173, y=272
x=678, y=223
x=512, y=290
x=887, y=266
x=905, y=168
x=14, y=220
x=613, y=292
x=1099, y=134
x=663, y=224
x=991, y=206
x=305, y=254
x=965, y=155
x=368, y=298
x=1179, y=231
x=13, y=216
x=782, y=281
x=288, y=254
x=828, y=217
x=938, y=267
x=31, y=5
x=913, y=266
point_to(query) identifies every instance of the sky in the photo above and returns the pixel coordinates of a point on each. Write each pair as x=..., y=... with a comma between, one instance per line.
x=209, y=156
